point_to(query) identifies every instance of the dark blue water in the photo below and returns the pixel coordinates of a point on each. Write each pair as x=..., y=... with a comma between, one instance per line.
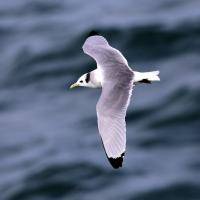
x=49, y=142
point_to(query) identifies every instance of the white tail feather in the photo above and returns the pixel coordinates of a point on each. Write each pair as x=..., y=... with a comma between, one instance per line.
x=150, y=76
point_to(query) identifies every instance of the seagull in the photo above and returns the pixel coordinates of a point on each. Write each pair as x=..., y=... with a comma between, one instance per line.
x=116, y=79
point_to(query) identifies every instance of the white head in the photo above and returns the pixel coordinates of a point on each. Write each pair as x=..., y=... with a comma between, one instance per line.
x=91, y=79
x=83, y=81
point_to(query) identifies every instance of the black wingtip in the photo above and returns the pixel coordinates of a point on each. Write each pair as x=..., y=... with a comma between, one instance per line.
x=117, y=162
x=92, y=33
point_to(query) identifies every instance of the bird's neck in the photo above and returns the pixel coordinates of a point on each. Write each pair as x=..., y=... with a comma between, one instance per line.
x=96, y=78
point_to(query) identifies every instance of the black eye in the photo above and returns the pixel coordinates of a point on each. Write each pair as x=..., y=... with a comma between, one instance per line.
x=81, y=81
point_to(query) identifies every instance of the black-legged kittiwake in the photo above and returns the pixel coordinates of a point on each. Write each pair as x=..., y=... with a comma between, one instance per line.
x=117, y=79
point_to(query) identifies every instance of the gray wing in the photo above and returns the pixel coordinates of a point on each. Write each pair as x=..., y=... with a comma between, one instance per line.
x=111, y=112
x=116, y=92
x=98, y=48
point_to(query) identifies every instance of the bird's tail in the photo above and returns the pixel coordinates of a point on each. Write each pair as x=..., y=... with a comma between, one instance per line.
x=146, y=77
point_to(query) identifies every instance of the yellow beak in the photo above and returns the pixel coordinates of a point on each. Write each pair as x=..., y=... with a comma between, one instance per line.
x=74, y=85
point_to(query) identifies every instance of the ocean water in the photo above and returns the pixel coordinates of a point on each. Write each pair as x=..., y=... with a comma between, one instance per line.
x=49, y=142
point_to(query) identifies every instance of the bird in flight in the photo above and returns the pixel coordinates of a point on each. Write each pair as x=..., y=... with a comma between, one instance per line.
x=116, y=79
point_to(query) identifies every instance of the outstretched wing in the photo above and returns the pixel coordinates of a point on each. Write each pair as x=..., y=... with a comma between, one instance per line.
x=111, y=112
x=98, y=48
x=116, y=91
